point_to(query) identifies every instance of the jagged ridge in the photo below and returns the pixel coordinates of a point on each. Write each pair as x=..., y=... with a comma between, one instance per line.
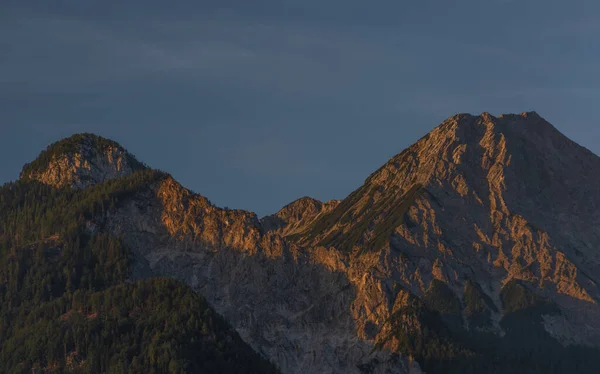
x=297, y=215
x=471, y=220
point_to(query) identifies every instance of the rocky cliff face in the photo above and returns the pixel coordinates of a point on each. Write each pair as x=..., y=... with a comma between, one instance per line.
x=297, y=216
x=480, y=199
x=290, y=304
x=81, y=161
x=480, y=207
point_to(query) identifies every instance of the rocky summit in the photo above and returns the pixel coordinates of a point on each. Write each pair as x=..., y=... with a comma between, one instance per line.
x=81, y=161
x=475, y=250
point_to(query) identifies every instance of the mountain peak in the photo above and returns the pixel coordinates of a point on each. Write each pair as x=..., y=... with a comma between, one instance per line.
x=480, y=200
x=80, y=161
x=466, y=156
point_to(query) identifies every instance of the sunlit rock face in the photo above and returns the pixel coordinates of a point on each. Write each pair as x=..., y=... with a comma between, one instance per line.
x=81, y=161
x=482, y=199
x=297, y=216
x=479, y=203
x=291, y=304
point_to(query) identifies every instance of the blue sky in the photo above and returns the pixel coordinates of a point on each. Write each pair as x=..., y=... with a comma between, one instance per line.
x=254, y=104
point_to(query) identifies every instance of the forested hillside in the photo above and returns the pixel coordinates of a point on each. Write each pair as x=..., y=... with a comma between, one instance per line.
x=473, y=251
x=66, y=304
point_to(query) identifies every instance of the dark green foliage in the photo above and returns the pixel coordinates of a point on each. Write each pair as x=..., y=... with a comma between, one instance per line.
x=342, y=212
x=326, y=221
x=49, y=269
x=32, y=210
x=152, y=326
x=421, y=333
x=394, y=210
x=440, y=298
x=395, y=216
x=525, y=349
x=66, y=304
x=400, y=161
x=391, y=206
x=516, y=297
x=477, y=306
x=71, y=146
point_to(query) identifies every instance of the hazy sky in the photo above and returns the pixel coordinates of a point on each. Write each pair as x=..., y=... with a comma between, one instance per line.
x=256, y=103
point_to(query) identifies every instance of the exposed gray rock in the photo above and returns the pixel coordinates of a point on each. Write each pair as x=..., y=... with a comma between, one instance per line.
x=284, y=301
x=487, y=199
x=81, y=161
x=297, y=216
x=480, y=199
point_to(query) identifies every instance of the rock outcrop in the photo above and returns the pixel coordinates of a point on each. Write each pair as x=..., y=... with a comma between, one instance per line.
x=297, y=216
x=289, y=304
x=81, y=161
x=479, y=205
x=480, y=199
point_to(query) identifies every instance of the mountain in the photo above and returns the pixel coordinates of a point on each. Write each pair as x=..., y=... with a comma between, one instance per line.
x=297, y=215
x=484, y=199
x=81, y=161
x=472, y=251
x=69, y=303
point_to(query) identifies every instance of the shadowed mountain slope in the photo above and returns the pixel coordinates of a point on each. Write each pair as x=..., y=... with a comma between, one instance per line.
x=472, y=251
